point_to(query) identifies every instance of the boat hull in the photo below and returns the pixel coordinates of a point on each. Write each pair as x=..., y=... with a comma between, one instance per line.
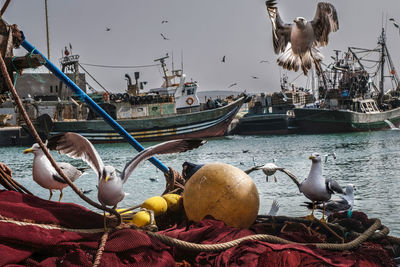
x=264, y=124
x=312, y=120
x=208, y=123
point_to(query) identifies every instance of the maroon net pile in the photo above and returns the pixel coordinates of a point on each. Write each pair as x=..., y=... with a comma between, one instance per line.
x=26, y=240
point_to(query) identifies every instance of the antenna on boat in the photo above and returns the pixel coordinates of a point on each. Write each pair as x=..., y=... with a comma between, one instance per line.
x=182, y=60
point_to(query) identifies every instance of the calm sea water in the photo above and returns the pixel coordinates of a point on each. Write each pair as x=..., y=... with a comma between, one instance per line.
x=369, y=160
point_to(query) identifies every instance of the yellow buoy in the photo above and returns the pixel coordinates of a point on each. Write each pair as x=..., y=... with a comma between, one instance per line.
x=141, y=218
x=173, y=201
x=224, y=192
x=156, y=204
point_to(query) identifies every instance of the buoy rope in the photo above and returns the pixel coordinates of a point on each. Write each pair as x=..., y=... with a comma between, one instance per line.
x=266, y=238
x=17, y=100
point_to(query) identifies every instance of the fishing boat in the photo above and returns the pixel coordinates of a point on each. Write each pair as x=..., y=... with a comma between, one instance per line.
x=352, y=102
x=168, y=112
x=273, y=113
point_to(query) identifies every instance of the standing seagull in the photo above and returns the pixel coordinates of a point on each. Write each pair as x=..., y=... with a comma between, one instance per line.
x=297, y=43
x=46, y=176
x=316, y=188
x=110, y=187
x=344, y=203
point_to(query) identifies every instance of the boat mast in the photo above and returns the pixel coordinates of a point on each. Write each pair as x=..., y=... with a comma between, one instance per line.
x=47, y=30
x=163, y=66
x=335, y=73
x=382, y=41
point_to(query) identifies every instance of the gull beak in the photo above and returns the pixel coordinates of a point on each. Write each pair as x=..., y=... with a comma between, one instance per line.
x=29, y=150
x=107, y=178
x=311, y=157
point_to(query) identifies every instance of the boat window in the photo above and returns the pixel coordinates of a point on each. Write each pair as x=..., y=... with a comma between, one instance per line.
x=154, y=108
x=51, y=89
x=190, y=91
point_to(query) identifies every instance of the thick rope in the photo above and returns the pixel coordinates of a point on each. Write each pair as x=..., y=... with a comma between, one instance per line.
x=101, y=248
x=3, y=70
x=266, y=238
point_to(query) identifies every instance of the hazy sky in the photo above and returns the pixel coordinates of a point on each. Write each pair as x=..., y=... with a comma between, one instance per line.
x=204, y=30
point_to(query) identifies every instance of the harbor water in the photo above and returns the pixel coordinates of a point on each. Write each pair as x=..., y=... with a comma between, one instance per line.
x=369, y=160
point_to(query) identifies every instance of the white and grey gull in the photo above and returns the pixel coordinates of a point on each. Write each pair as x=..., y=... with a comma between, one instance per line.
x=110, y=185
x=46, y=176
x=297, y=43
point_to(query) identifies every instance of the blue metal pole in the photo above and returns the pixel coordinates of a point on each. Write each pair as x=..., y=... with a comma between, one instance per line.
x=84, y=97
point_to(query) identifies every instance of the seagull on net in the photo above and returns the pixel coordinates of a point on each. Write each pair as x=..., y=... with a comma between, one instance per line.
x=316, y=188
x=110, y=186
x=344, y=203
x=297, y=43
x=46, y=176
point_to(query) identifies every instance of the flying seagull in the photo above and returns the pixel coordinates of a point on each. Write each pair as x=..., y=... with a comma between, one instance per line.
x=46, y=176
x=108, y=29
x=268, y=169
x=254, y=77
x=223, y=59
x=110, y=186
x=297, y=43
x=233, y=84
x=163, y=36
x=164, y=21
x=344, y=203
x=264, y=61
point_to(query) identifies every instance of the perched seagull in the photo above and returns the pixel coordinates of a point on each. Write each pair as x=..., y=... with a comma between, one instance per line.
x=233, y=84
x=316, y=188
x=46, y=176
x=274, y=208
x=344, y=203
x=110, y=187
x=297, y=43
x=223, y=59
x=163, y=36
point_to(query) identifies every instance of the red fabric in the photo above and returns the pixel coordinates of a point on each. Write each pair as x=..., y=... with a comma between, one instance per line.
x=257, y=253
x=34, y=246
x=54, y=247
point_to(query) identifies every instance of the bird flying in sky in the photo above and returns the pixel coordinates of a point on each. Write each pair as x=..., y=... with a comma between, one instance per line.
x=223, y=59
x=108, y=29
x=163, y=36
x=254, y=77
x=233, y=84
x=264, y=61
x=297, y=44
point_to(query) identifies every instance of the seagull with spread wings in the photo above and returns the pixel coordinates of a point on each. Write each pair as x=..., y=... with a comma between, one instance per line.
x=297, y=43
x=110, y=187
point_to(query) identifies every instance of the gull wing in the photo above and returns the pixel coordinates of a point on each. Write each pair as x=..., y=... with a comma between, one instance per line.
x=332, y=186
x=280, y=31
x=325, y=21
x=175, y=146
x=77, y=147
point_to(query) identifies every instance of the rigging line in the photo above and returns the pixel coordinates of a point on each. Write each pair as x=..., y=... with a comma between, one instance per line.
x=93, y=78
x=119, y=67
